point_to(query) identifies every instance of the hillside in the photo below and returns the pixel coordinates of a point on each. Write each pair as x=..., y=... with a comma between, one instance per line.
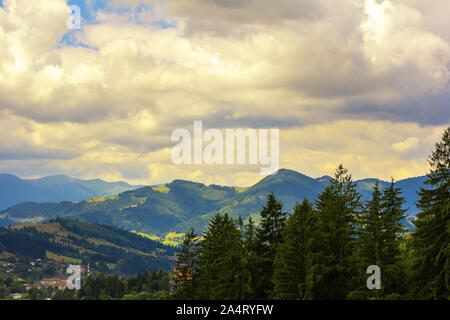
x=14, y=190
x=178, y=205
x=103, y=247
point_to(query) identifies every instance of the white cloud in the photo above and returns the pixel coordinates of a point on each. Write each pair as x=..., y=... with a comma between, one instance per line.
x=308, y=66
x=407, y=145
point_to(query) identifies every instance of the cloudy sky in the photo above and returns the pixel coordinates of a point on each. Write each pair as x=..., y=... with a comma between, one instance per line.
x=362, y=82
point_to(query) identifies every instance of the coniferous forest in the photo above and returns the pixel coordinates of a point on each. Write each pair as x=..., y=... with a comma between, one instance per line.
x=323, y=249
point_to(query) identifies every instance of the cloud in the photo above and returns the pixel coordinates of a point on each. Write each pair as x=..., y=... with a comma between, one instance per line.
x=224, y=17
x=407, y=145
x=21, y=140
x=324, y=74
x=329, y=63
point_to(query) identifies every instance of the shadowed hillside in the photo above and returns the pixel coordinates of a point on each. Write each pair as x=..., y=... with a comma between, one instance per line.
x=86, y=243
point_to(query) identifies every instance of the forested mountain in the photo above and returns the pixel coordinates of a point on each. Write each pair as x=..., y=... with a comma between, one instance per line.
x=14, y=190
x=77, y=242
x=179, y=205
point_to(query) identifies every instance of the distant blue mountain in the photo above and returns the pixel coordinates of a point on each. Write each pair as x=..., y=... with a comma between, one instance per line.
x=14, y=190
x=175, y=206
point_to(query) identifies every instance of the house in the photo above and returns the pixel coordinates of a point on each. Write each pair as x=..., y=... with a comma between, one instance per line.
x=178, y=277
x=60, y=284
x=16, y=296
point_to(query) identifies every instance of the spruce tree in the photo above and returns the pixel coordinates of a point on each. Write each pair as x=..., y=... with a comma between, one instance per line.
x=380, y=233
x=393, y=265
x=250, y=261
x=220, y=260
x=291, y=262
x=370, y=230
x=243, y=274
x=185, y=267
x=269, y=236
x=332, y=266
x=431, y=239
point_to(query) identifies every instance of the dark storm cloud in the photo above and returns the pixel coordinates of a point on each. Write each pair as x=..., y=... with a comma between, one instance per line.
x=432, y=109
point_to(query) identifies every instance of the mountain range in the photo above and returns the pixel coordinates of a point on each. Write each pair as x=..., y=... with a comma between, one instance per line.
x=14, y=190
x=180, y=205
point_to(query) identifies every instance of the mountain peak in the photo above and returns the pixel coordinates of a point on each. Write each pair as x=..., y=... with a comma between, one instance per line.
x=286, y=180
x=9, y=177
x=58, y=178
x=185, y=182
x=287, y=173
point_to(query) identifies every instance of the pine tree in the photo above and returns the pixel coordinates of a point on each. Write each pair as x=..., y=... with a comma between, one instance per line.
x=393, y=212
x=393, y=266
x=269, y=236
x=243, y=274
x=332, y=265
x=368, y=245
x=185, y=267
x=380, y=233
x=250, y=261
x=291, y=262
x=370, y=230
x=220, y=260
x=431, y=239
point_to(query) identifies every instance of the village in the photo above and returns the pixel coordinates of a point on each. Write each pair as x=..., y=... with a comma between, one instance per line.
x=34, y=279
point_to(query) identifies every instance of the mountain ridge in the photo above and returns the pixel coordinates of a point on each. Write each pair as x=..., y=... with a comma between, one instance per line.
x=55, y=188
x=182, y=204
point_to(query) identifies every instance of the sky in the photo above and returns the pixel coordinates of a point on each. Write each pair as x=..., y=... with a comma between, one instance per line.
x=359, y=82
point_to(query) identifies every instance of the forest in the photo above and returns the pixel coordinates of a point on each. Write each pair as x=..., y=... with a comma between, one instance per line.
x=144, y=286
x=323, y=249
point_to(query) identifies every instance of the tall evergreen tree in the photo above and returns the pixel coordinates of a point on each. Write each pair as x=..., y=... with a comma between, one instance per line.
x=431, y=239
x=291, y=262
x=269, y=236
x=379, y=235
x=393, y=264
x=185, y=267
x=243, y=269
x=370, y=230
x=250, y=261
x=220, y=271
x=333, y=268
x=393, y=212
